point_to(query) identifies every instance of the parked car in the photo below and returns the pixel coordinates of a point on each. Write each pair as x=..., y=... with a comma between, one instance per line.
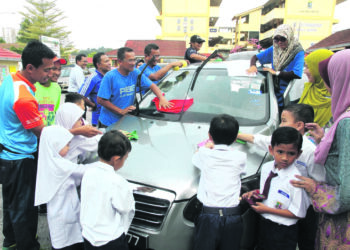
x=63, y=80
x=159, y=166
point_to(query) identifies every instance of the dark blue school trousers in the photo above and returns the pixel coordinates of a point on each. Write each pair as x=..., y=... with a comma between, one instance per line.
x=218, y=229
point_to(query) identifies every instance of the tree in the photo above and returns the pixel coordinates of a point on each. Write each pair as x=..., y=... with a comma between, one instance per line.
x=42, y=18
x=2, y=40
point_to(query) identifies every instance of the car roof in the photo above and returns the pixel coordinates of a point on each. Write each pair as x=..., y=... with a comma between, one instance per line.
x=235, y=67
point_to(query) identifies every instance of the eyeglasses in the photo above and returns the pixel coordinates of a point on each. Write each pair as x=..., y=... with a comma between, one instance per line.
x=279, y=39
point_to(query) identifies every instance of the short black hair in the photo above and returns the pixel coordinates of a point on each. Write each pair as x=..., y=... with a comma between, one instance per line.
x=149, y=47
x=34, y=53
x=97, y=58
x=113, y=143
x=78, y=57
x=73, y=97
x=301, y=112
x=287, y=135
x=122, y=51
x=224, y=129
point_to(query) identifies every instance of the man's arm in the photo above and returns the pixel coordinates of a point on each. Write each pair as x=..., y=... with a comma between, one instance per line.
x=161, y=73
x=163, y=102
x=87, y=131
x=198, y=57
x=110, y=106
x=263, y=209
x=37, y=130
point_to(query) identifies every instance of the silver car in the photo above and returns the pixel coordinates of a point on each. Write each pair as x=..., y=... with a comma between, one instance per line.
x=159, y=165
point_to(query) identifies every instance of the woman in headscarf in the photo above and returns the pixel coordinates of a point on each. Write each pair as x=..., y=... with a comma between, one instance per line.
x=332, y=199
x=287, y=58
x=315, y=92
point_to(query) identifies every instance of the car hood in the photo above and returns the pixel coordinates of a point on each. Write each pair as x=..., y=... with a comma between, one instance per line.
x=161, y=157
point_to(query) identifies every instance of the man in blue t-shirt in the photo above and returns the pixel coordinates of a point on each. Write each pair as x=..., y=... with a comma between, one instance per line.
x=191, y=53
x=154, y=72
x=117, y=90
x=92, y=84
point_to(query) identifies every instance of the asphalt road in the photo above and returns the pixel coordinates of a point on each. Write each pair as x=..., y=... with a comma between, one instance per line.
x=43, y=230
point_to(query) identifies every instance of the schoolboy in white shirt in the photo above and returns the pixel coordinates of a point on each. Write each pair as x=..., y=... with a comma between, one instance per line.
x=219, y=225
x=283, y=204
x=107, y=202
x=296, y=115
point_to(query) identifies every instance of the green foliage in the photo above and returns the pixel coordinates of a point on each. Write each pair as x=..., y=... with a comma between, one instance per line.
x=2, y=40
x=42, y=18
x=92, y=51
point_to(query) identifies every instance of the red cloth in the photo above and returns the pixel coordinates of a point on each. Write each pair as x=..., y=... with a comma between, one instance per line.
x=177, y=105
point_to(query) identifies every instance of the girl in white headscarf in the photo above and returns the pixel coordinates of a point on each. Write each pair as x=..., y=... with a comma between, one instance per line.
x=56, y=183
x=82, y=149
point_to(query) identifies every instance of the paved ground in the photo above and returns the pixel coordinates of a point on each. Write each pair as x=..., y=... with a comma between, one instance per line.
x=43, y=230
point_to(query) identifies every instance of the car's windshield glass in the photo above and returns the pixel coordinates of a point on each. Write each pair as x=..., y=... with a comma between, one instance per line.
x=216, y=91
x=65, y=72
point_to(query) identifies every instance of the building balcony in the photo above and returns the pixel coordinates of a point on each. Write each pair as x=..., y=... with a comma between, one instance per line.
x=225, y=32
x=159, y=20
x=277, y=13
x=215, y=3
x=267, y=34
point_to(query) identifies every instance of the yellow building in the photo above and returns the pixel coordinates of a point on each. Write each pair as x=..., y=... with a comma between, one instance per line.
x=181, y=19
x=312, y=20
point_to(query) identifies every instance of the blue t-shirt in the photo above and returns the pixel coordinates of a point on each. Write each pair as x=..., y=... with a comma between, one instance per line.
x=120, y=91
x=90, y=89
x=148, y=71
x=296, y=65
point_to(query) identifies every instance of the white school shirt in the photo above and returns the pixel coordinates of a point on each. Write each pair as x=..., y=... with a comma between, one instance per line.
x=107, y=204
x=220, y=181
x=305, y=163
x=76, y=79
x=282, y=194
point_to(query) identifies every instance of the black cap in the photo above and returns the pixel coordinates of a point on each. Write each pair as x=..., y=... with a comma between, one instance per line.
x=196, y=39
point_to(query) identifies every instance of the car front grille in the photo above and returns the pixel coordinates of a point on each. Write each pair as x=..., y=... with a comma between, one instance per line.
x=152, y=206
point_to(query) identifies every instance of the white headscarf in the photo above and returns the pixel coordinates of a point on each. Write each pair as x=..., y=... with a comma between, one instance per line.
x=53, y=169
x=67, y=115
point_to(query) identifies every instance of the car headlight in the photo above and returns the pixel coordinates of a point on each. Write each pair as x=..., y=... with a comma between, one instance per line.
x=193, y=209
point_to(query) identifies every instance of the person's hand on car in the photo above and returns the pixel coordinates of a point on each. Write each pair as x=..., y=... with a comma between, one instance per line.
x=127, y=110
x=164, y=103
x=86, y=130
x=253, y=70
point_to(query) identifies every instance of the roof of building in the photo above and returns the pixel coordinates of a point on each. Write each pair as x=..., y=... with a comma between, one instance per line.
x=7, y=55
x=167, y=48
x=336, y=41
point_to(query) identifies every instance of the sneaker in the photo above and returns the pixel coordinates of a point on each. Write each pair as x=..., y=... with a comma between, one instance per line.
x=12, y=247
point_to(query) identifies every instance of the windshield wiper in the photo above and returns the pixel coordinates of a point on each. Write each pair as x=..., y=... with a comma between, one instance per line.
x=214, y=54
x=138, y=85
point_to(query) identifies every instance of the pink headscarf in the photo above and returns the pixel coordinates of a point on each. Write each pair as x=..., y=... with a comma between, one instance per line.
x=339, y=78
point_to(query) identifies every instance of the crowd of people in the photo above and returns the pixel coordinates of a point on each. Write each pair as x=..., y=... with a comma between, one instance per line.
x=49, y=153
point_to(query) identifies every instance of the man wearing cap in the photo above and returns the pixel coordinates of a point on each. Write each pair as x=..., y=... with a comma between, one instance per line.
x=195, y=45
x=48, y=94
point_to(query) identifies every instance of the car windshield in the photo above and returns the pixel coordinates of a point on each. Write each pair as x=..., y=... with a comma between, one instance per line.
x=217, y=91
x=65, y=71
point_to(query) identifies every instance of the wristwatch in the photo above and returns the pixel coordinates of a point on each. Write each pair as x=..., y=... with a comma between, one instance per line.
x=277, y=73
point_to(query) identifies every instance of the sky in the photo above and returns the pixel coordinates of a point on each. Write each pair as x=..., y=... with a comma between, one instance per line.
x=110, y=23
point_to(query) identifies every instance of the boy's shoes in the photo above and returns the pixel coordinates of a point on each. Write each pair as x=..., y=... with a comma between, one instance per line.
x=12, y=247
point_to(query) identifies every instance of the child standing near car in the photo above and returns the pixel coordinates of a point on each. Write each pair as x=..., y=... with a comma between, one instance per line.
x=219, y=225
x=282, y=205
x=107, y=202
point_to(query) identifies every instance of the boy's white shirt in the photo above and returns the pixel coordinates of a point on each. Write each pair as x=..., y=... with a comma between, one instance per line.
x=283, y=195
x=107, y=204
x=220, y=181
x=305, y=163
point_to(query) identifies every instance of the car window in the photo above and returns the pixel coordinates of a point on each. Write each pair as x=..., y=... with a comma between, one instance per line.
x=216, y=91
x=65, y=72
